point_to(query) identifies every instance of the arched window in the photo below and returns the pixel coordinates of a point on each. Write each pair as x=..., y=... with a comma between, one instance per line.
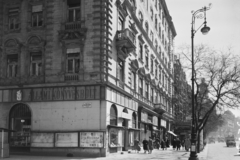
x=125, y=121
x=134, y=120
x=113, y=115
x=147, y=28
x=141, y=18
x=20, y=121
x=151, y=10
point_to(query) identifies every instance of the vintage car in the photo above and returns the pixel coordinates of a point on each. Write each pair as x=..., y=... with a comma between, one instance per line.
x=230, y=141
x=211, y=140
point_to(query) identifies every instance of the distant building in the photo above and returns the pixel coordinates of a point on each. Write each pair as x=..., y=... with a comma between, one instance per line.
x=85, y=77
x=181, y=101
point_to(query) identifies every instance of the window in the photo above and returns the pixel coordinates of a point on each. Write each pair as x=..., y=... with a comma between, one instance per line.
x=146, y=59
x=134, y=120
x=151, y=13
x=151, y=36
x=156, y=71
x=13, y=18
x=151, y=96
x=147, y=90
x=151, y=65
x=113, y=115
x=73, y=60
x=12, y=62
x=37, y=16
x=141, y=18
x=140, y=86
x=141, y=51
x=160, y=75
x=74, y=10
x=156, y=22
x=147, y=28
x=36, y=64
x=133, y=78
x=120, y=23
x=120, y=70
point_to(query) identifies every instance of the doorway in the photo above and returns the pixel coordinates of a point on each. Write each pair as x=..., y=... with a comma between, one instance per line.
x=20, y=122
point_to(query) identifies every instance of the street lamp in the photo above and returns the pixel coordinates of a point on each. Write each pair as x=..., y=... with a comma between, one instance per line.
x=201, y=13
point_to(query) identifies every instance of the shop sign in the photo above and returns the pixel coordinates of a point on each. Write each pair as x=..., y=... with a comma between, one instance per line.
x=155, y=121
x=87, y=105
x=163, y=123
x=91, y=139
x=144, y=117
x=126, y=115
x=50, y=94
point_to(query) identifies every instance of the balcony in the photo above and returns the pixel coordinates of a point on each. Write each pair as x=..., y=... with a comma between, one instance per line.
x=125, y=42
x=71, y=77
x=159, y=108
x=73, y=25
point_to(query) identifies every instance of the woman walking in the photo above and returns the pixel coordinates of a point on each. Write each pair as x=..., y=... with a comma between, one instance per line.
x=162, y=144
x=150, y=144
x=145, y=145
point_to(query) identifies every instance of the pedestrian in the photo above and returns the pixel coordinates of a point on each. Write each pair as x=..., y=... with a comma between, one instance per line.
x=150, y=145
x=145, y=145
x=178, y=144
x=162, y=144
x=174, y=143
x=137, y=145
x=167, y=143
x=157, y=142
x=187, y=144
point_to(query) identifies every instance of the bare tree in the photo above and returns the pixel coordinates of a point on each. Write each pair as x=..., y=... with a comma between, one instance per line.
x=217, y=81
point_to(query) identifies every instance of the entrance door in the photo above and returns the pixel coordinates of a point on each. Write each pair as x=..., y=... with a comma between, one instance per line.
x=20, y=121
x=125, y=135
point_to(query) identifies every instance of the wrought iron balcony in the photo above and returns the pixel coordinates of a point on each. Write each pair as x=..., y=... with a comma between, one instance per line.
x=71, y=77
x=73, y=25
x=159, y=108
x=125, y=40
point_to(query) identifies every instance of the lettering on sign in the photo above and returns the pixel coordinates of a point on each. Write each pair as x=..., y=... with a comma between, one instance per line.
x=91, y=139
x=47, y=94
x=19, y=95
x=87, y=105
x=37, y=94
x=80, y=93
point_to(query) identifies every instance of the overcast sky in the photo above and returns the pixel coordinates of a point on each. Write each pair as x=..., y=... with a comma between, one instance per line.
x=223, y=19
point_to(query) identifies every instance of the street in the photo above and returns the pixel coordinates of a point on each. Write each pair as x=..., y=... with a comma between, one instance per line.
x=219, y=151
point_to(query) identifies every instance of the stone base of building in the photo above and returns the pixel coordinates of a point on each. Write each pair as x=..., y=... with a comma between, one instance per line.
x=66, y=152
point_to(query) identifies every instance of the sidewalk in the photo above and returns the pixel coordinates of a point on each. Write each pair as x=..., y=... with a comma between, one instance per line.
x=168, y=154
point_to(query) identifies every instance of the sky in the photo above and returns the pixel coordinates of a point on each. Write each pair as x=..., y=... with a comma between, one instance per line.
x=223, y=18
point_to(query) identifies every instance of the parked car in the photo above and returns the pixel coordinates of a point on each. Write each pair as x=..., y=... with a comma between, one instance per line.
x=230, y=141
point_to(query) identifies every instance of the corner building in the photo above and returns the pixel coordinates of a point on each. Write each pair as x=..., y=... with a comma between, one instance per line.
x=85, y=77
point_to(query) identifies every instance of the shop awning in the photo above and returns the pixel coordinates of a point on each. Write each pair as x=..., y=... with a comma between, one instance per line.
x=172, y=133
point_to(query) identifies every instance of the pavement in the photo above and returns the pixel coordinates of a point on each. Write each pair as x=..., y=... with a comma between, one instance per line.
x=168, y=154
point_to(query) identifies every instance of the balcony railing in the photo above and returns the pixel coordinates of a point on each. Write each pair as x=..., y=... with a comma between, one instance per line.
x=71, y=77
x=73, y=25
x=126, y=38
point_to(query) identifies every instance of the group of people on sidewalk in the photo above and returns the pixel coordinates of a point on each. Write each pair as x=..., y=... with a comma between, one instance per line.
x=149, y=145
x=177, y=144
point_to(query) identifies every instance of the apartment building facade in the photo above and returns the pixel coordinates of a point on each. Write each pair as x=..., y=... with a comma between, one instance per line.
x=85, y=77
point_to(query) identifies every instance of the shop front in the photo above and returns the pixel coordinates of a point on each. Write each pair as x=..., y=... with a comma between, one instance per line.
x=163, y=126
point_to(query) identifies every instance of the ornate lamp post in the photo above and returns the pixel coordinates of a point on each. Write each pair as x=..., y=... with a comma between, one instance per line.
x=201, y=13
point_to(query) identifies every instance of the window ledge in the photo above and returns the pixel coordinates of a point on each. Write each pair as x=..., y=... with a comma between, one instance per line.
x=13, y=31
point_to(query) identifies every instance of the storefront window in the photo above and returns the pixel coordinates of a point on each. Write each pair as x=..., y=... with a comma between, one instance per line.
x=115, y=137
x=134, y=123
